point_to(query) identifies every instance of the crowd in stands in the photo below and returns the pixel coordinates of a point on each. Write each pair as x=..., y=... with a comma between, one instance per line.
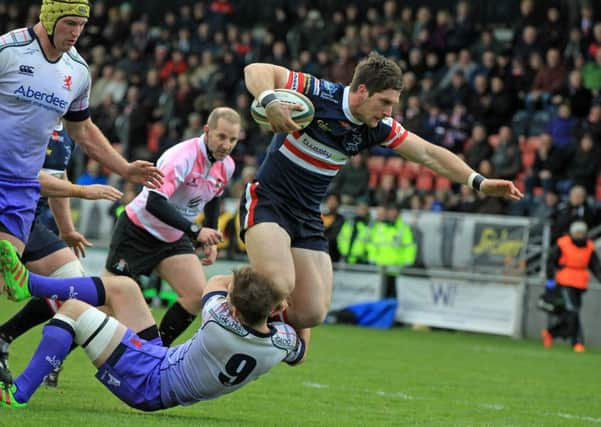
x=518, y=101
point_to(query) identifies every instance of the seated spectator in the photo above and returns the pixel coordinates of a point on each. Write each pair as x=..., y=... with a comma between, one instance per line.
x=478, y=148
x=547, y=168
x=92, y=175
x=352, y=181
x=386, y=191
x=547, y=82
x=501, y=108
x=576, y=208
x=592, y=123
x=458, y=92
x=591, y=74
x=506, y=160
x=332, y=222
x=582, y=166
x=562, y=126
x=575, y=95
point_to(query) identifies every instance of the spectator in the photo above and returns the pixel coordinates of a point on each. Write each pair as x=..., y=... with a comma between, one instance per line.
x=582, y=166
x=351, y=183
x=591, y=74
x=576, y=208
x=385, y=192
x=547, y=168
x=332, y=222
x=547, y=82
x=568, y=267
x=501, y=108
x=353, y=238
x=478, y=148
x=506, y=159
x=575, y=95
x=92, y=175
x=562, y=126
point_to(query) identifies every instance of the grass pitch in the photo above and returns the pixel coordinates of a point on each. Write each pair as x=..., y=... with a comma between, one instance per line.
x=354, y=377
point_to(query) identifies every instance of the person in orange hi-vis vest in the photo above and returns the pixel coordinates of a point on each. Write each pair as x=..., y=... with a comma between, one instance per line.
x=569, y=264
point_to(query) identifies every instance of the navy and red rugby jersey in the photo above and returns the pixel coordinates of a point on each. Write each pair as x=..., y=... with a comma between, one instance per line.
x=299, y=166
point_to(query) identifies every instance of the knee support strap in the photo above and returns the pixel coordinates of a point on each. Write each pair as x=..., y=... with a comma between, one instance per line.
x=93, y=331
x=70, y=269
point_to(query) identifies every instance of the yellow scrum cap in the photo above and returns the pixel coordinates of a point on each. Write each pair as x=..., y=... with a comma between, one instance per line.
x=53, y=10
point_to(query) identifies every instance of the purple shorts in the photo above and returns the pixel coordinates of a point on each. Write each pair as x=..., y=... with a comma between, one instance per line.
x=132, y=372
x=18, y=200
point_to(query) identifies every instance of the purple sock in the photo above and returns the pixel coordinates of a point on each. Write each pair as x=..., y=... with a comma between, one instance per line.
x=86, y=289
x=57, y=337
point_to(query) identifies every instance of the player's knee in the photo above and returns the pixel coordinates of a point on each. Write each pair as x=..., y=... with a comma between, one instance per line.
x=70, y=269
x=309, y=316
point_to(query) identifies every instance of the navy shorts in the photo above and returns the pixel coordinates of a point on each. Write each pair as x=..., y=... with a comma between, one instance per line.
x=304, y=227
x=132, y=372
x=18, y=201
x=134, y=251
x=42, y=242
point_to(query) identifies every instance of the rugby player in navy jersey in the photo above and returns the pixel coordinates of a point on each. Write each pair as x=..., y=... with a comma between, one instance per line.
x=280, y=216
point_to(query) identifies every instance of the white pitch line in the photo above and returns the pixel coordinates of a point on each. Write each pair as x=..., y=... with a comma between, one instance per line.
x=577, y=417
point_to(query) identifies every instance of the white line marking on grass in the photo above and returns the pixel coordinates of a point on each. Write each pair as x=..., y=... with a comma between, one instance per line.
x=494, y=406
x=398, y=395
x=542, y=353
x=315, y=385
x=577, y=417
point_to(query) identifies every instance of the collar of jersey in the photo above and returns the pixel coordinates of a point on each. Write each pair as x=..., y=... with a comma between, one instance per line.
x=347, y=108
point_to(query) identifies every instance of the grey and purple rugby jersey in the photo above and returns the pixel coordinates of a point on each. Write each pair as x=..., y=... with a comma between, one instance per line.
x=300, y=166
x=34, y=93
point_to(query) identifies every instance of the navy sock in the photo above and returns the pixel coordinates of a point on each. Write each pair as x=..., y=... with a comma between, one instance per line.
x=57, y=338
x=175, y=321
x=87, y=289
x=35, y=312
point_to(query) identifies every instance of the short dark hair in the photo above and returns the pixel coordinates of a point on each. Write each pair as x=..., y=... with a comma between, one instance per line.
x=254, y=295
x=378, y=74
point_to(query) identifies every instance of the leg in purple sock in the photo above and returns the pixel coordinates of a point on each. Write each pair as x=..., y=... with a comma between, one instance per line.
x=57, y=338
x=86, y=289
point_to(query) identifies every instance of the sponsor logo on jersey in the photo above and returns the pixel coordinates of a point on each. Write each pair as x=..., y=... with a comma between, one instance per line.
x=67, y=82
x=323, y=125
x=26, y=70
x=44, y=98
x=194, y=202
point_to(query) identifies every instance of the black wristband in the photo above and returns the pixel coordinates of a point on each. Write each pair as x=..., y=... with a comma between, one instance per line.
x=268, y=99
x=477, y=182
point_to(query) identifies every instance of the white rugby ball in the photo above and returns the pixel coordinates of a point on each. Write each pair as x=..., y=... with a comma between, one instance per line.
x=301, y=117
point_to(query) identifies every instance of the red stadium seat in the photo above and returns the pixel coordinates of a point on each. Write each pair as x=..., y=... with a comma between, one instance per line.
x=393, y=165
x=374, y=178
x=424, y=183
x=528, y=158
x=410, y=170
x=375, y=163
x=443, y=183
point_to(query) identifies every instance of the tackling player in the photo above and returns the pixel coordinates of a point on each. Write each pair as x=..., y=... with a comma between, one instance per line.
x=280, y=216
x=233, y=346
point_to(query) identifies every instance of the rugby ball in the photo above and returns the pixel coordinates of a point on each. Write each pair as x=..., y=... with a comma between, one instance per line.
x=301, y=117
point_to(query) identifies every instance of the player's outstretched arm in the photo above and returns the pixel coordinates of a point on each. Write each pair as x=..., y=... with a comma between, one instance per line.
x=87, y=134
x=447, y=164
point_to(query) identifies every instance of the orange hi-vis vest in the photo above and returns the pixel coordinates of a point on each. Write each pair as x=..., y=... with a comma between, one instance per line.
x=574, y=262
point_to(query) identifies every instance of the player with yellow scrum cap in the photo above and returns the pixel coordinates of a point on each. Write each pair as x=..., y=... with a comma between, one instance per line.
x=53, y=10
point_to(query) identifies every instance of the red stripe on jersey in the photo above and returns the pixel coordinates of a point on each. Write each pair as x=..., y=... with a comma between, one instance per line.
x=396, y=142
x=253, y=204
x=296, y=134
x=309, y=159
x=301, y=83
x=290, y=79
